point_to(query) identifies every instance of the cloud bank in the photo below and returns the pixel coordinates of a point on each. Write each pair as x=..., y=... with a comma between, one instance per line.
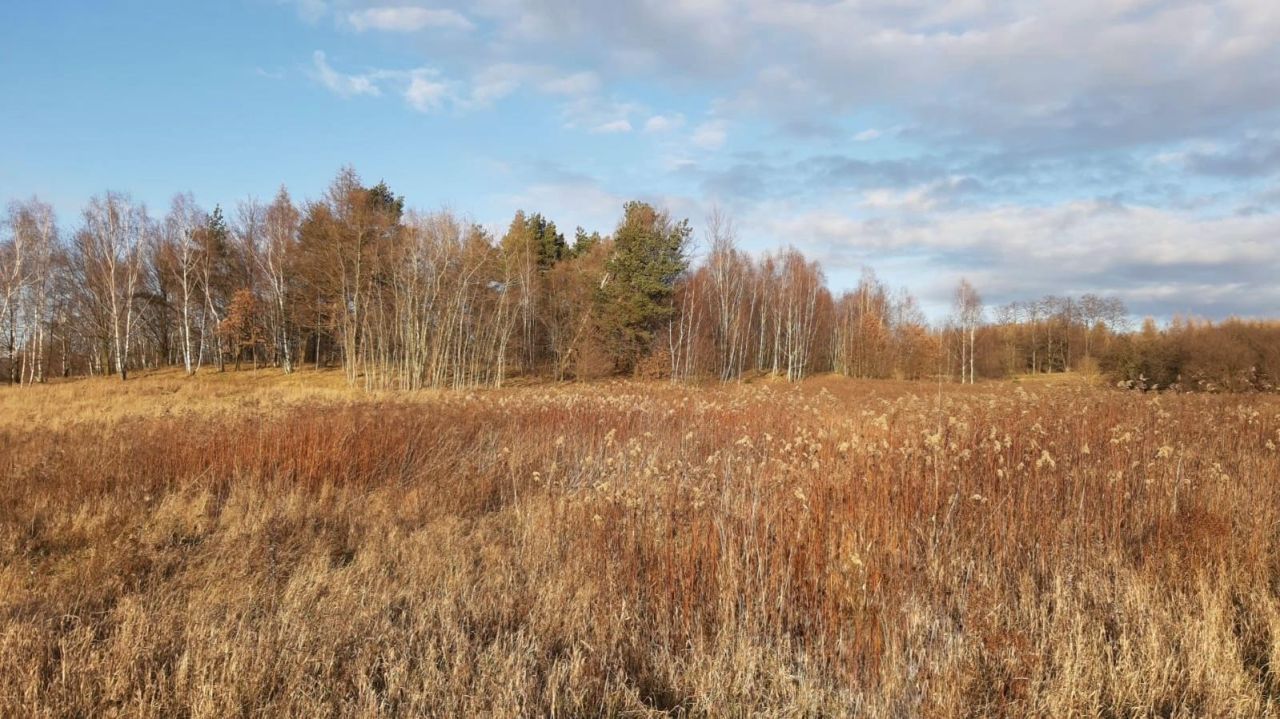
x=1116, y=146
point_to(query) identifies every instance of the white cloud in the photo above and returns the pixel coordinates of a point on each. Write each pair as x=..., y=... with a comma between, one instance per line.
x=1156, y=259
x=597, y=114
x=914, y=200
x=423, y=89
x=711, y=135
x=426, y=90
x=408, y=19
x=612, y=127
x=678, y=163
x=867, y=135
x=340, y=83
x=578, y=83
x=425, y=93
x=663, y=123
x=1088, y=72
x=497, y=81
x=578, y=203
x=311, y=11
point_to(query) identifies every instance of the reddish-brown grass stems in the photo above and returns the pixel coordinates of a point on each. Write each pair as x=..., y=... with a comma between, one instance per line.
x=835, y=548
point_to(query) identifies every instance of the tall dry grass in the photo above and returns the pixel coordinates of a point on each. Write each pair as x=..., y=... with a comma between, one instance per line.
x=835, y=549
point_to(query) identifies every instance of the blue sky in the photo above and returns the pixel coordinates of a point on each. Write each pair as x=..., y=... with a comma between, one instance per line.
x=1126, y=147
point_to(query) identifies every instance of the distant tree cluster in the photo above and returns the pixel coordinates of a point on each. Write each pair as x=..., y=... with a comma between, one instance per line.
x=1055, y=334
x=405, y=299
x=737, y=315
x=1232, y=356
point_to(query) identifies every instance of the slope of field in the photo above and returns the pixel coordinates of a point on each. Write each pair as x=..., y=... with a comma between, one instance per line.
x=247, y=544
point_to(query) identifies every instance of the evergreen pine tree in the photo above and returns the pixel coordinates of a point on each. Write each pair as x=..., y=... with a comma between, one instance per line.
x=636, y=295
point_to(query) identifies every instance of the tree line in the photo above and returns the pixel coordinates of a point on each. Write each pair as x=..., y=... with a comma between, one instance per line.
x=1232, y=356
x=398, y=298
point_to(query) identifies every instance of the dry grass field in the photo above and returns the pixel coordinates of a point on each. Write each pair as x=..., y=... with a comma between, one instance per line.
x=254, y=545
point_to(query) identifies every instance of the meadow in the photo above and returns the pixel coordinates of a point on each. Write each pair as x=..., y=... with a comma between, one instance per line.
x=248, y=544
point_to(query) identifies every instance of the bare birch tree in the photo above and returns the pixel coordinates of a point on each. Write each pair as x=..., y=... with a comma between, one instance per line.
x=114, y=229
x=26, y=267
x=968, y=313
x=181, y=227
x=280, y=239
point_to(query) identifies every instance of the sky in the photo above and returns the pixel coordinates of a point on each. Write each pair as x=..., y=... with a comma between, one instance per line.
x=1123, y=147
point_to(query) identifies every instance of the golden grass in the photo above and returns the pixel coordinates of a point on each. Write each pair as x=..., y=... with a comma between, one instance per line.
x=166, y=393
x=254, y=545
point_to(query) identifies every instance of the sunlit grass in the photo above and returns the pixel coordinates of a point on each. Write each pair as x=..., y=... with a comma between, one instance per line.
x=255, y=544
